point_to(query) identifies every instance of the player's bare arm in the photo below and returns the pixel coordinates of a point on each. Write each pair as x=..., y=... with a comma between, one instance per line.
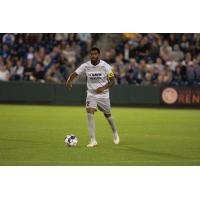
x=111, y=82
x=70, y=80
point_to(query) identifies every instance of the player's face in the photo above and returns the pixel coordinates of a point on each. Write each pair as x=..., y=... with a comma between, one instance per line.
x=94, y=56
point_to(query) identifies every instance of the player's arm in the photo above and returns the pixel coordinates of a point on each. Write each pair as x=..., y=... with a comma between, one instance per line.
x=73, y=75
x=69, y=82
x=111, y=82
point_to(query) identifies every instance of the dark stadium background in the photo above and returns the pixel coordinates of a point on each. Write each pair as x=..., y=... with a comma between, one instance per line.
x=144, y=65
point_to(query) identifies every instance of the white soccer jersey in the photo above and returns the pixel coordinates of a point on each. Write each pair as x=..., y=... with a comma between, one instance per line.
x=97, y=76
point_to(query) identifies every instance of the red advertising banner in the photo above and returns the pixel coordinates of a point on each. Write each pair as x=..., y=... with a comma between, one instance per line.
x=180, y=95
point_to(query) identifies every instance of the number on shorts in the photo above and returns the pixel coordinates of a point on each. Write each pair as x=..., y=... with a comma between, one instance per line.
x=87, y=103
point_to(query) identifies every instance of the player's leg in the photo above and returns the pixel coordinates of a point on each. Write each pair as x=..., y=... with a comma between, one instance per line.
x=91, y=109
x=113, y=127
x=104, y=106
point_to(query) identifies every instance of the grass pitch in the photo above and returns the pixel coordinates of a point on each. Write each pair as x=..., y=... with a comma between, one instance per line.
x=34, y=135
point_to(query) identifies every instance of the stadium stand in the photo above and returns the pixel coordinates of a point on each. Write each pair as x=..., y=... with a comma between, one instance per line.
x=138, y=59
x=156, y=59
x=42, y=57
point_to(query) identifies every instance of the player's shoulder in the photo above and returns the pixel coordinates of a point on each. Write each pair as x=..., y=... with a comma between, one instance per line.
x=85, y=63
x=104, y=63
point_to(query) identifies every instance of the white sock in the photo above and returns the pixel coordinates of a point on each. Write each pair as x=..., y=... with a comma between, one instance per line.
x=91, y=126
x=113, y=126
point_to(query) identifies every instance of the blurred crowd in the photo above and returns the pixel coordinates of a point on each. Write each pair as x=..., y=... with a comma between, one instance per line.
x=139, y=59
x=42, y=57
x=156, y=59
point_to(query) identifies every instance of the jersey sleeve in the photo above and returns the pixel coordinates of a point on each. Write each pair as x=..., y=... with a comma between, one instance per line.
x=80, y=69
x=109, y=71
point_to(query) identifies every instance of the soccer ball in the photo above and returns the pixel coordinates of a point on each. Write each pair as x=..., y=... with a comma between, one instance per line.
x=71, y=140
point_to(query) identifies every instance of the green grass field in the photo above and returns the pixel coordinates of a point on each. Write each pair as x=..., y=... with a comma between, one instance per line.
x=34, y=135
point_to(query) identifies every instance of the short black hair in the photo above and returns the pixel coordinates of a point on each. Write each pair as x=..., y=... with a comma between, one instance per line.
x=95, y=49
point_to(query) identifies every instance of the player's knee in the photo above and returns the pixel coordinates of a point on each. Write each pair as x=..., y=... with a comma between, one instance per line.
x=107, y=115
x=90, y=110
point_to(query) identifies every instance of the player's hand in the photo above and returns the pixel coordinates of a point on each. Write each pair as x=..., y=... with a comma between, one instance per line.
x=99, y=90
x=69, y=85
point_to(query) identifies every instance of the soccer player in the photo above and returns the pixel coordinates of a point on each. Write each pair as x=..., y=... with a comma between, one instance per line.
x=99, y=79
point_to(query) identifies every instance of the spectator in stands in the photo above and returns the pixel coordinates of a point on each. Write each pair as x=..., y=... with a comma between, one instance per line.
x=141, y=72
x=28, y=70
x=188, y=59
x=40, y=54
x=30, y=54
x=4, y=73
x=117, y=73
x=17, y=71
x=110, y=55
x=39, y=74
x=53, y=75
x=47, y=61
x=172, y=40
x=133, y=63
x=156, y=70
x=184, y=74
x=5, y=52
x=158, y=65
x=8, y=38
x=126, y=52
x=197, y=70
x=147, y=78
x=176, y=78
x=61, y=37
x=195, y=44
x=142, y=50
x=107, y=57
x=131, y=71
x=172, y=64
x=33, y=38
x=150, y=65
x=70, y=54
x=177, y=54
x=154, y=50
x=86, y=41
x=77, y=50
x=167, y=78
x=119, y=61
x=165, y=51
x=184, y=43
x=119, y=69
x=191, y=76
x=1, y=62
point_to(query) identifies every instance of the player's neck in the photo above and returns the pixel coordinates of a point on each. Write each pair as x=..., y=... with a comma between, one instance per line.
x=95, y=63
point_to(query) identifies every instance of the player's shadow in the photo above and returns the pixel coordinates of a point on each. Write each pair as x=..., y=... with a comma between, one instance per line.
x=149, y=152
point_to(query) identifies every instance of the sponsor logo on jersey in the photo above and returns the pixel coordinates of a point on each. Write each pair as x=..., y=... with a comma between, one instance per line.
x=95, y=75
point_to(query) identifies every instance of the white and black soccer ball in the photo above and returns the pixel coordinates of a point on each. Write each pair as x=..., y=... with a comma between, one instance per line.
x=71, y=140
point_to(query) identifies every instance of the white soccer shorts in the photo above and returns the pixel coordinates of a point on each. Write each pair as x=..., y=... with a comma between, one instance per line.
x=103, y=104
